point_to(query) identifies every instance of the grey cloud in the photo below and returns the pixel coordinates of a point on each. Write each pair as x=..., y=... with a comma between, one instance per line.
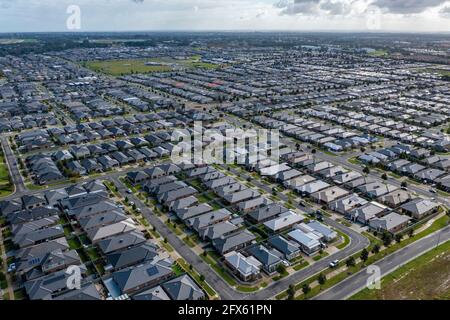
x=335, y=8
x=407, y=6
x=293, y=7
x=445, y=12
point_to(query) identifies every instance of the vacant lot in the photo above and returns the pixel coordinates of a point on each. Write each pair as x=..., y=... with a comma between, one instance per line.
x=5, y=185
x=425, y=278
x=124, y=67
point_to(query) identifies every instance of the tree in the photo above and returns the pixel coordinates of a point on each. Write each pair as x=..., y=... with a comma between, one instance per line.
x=322, y=279
x=384, y=176
x=404, y=184
x=350, y=262
x=291, y=292
x=398, y=238
x=387, y=239
x=165, y=240
x=364, y=255
x=366, y=170
x=376, y=249
x=281, y=269
x=202, y=278
x=411, y=233
x=306, y=289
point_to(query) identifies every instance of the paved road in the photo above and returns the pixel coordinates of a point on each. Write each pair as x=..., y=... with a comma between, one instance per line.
x=13, y=167
x=358, y=242
x=357, y=282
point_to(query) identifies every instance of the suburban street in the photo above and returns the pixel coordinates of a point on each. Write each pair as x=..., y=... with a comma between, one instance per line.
x=357, y=282
x=13, y=167
x=357, y=243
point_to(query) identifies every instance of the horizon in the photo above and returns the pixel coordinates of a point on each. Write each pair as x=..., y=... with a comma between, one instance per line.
x=48, y=16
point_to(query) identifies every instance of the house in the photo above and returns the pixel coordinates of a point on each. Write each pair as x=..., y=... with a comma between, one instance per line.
x=75, y=191
x=346, y=177
x=312, y=187
x=328, y=234
x=154, y=294
x=102, y=219
x=246, y=268
x=183, y=203
x=298, y=181
x=54, y=196
x=107, y=162
x=50, y=286
x=429, y=175
x=284, y=221
x=348, y=203
x=183, y=288
x=91, y=165
x=395, y=198
x=38, y=236
x=170, y=196
x=186, y=213
x=76, y=168
x=270, y=258
x=10, y=206
x=392, y=222
x=103, y=232
x=137, y=176
x=87, y=292
x=419, y=208
x=133, y=256
x=135, y=279
x=205, y=220
x=264, y=214
x=33, y=201
x=288, y=248
x=376, y=189
x=329, y=195
x=236, y=197
x=253, y=204
x=218, y=230
x=234, y=241
x=367, y=212
x=120, y=242
x=308, y=242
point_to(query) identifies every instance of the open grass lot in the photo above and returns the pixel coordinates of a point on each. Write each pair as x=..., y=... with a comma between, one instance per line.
x=5, y=186
x=427, y=277
x=379, y=53
x=124, y=67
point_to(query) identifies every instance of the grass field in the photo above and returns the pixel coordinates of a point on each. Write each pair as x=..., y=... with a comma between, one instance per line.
x=5, y=186
x=379, y=53
x=425, y=278
x=124, y=67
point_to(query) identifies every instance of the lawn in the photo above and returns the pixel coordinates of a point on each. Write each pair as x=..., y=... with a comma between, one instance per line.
x=6, y=187
x=124, y=67
x=425, y=278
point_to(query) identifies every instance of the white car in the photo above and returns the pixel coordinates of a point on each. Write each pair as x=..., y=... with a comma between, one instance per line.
x=334, y=264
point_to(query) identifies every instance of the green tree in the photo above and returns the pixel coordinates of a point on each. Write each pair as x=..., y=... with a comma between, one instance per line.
x=306, y=289
x=364, y=255
x=350, y=262
x=376, y=248
x=322, y=279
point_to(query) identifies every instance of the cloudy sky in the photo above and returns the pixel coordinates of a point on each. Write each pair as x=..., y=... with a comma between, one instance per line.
x=307, y=15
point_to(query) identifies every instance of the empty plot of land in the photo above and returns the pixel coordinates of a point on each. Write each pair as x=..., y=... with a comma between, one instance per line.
x=425, y=278
x=124, y=67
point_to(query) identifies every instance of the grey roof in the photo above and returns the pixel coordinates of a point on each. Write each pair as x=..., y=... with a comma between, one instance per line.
x=217, y=230
x=183, y=288
x=24, y=240
x=226, y=244
x=120, y=242
x=282, y=244
x=149, y=273
x=190, y=212
x=420, y=206
x=153, y=294
x=87, y=293
x=267, y=212
x=42, y=248
x=110, y=230
x=130, y=257
x=207, y=219
x=46, y=287
x=265, y=256
x=102, y=219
